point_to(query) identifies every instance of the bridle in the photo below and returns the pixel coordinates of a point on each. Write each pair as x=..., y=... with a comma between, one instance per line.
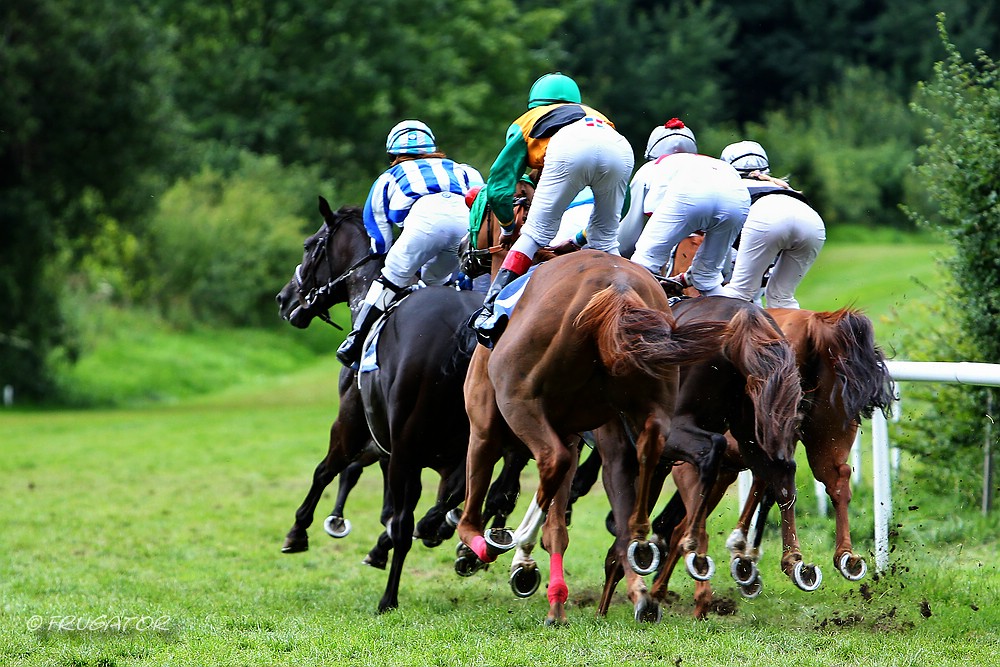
x=308, y=299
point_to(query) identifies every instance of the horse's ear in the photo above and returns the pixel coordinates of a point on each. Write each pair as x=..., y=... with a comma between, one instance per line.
x=324, y=208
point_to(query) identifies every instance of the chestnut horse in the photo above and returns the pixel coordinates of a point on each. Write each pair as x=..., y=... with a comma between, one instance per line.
x=591, y=340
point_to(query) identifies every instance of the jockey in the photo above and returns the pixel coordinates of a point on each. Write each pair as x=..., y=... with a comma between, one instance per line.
x=577, y=146
x=425, y=190
x=782, y=227
x=678, y=192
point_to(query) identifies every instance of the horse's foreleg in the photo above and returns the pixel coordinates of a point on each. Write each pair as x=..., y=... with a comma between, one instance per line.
x=451, y=491
x=336, y=525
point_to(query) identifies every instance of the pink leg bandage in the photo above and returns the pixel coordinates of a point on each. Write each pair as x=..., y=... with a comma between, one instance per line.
x=558, y=592
x=479, y=547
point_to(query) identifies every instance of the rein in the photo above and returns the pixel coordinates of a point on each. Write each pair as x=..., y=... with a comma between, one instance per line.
x=309, y=299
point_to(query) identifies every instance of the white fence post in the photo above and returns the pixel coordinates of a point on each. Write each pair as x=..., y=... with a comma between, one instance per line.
x=882, y=490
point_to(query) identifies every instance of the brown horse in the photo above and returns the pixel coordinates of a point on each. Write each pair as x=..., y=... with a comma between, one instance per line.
x=750, y=387
x=844, y=379
x=591, y=340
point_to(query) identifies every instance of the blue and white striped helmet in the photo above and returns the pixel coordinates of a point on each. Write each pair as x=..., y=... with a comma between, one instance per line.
x=410, y=137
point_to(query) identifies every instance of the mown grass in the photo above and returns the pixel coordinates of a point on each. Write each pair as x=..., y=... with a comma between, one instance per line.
x=178, y=513
x=174, y=512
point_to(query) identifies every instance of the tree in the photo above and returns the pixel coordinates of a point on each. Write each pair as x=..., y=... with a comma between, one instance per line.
x=83, y=116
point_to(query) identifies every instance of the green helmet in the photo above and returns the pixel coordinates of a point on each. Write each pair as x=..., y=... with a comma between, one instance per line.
x=552, y=88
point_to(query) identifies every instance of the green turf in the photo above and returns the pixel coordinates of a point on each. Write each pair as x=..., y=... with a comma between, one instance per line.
x=174, y=516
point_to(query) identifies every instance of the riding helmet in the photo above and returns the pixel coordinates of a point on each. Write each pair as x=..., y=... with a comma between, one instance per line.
x=410, y=137
x=671, y=137
x=553, y=88
x=746, y=156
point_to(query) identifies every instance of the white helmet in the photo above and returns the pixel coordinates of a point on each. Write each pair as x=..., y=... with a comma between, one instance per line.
x=671, y=137
x=746, y=156
x=410, y=137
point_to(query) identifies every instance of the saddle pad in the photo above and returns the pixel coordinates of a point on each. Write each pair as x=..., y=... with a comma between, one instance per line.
x=507, y=299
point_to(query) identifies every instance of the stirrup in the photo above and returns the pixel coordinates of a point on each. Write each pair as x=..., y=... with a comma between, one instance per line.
x=673, y=288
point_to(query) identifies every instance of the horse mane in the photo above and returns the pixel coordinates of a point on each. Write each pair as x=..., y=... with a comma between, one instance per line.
x=765, y=358
x=632, y=337
x=845, y=340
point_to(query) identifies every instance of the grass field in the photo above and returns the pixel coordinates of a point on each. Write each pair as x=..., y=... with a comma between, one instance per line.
x=151, y=536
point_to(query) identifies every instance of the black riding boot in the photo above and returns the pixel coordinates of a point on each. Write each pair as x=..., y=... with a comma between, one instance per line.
x=485, y=331
x=349, y=352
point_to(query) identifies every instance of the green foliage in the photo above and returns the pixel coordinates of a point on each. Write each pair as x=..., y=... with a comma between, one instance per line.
x=313, y=83
x=83, y=123
x=959, y=170
x=849, y=151
x=653, y=63
x=220, y=247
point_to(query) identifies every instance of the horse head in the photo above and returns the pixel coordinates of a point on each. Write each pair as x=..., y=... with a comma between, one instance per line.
x=337, y=267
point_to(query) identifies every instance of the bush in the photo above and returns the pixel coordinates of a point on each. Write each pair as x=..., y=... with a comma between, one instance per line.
x=221, y=246
x=959, y=170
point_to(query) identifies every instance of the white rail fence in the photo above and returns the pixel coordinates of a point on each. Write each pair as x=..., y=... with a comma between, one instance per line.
x=882, y=456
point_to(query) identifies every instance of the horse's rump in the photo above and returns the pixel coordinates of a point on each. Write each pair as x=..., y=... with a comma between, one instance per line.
x=765, y=358
x=632, y=337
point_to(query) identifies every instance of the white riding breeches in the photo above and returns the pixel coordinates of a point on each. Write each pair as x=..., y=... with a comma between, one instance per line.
x=429, y=241
x=581, y=154
x=718, y=209
x=777, y=226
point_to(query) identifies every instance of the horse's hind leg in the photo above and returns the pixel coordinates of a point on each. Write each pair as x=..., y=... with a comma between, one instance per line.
x=620, y=470
x=782, y=485
x=404, y=484
x=344, y=444
x=828, y=455
x=451, y=491
x=336, y=524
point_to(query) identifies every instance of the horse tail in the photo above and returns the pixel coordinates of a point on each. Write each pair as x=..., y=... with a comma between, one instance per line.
x=757, y=348
x=632, y=337
x=863, y=380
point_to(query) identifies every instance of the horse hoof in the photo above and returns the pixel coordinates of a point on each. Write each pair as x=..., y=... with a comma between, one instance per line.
x=643, y=557
x=453, y=517
x=295, y=545
x=466, y=567
x=431, y=542
x=377, y=563
x=744, y=570
x=499, y=540
x=855, y=573
x=752, y=590
x=807, y=577
x=525, y=580
x=701, y=568
x=648, y=611
x=555, y=622
x=337, y=526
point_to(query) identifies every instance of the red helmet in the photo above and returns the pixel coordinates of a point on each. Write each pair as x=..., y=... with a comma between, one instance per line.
x=471, y=195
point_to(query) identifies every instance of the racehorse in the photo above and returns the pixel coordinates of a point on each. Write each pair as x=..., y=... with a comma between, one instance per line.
x=591, y=340
x=411, y=403
x=750, y=387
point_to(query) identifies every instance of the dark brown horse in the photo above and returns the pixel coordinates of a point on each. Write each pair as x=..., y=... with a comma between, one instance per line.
x=750, y=387
x=591, y=340
x=844, y=379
